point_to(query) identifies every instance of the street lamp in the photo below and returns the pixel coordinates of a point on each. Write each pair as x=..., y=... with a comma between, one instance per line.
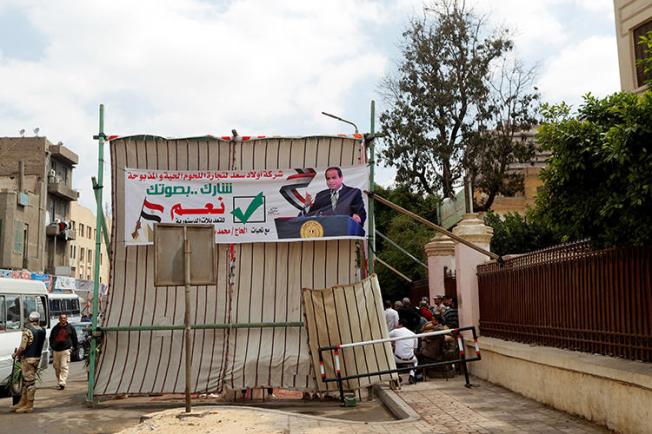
x=341, y=120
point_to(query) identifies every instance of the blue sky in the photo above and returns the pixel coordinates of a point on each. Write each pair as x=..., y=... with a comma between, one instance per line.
x=192, y=67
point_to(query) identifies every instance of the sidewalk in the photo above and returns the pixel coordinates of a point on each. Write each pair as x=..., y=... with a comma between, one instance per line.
x=436, y=406
x=449, y=407
x=442, y=407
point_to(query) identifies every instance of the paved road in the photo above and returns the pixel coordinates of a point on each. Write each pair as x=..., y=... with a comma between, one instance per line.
x=443, y=406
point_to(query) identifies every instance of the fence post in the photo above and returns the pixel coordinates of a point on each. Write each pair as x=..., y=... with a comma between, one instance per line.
x=441, y=253
x=473, y=229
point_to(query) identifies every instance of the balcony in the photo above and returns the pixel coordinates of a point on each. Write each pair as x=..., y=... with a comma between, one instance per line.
x=53, y=230
x=60, y=189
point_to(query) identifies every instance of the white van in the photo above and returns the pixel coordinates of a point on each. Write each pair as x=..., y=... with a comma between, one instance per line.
x=64, y=303
x=17, y=299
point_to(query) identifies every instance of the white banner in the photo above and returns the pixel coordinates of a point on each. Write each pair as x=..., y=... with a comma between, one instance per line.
x=249, y=206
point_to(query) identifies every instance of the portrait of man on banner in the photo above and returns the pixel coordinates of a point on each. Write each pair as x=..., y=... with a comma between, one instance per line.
x=337, y=199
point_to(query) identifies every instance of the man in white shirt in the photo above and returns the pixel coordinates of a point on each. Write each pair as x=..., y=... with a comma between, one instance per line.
x=391, y=316
x=404, y=348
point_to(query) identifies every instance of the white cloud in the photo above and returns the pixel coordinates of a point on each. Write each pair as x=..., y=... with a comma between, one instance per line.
x=187, y=68
x=589, y=66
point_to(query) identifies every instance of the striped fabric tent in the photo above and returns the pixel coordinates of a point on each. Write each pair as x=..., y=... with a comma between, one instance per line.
x=259, y=282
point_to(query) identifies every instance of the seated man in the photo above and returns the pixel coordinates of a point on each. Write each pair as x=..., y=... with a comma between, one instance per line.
x=404, y=348
x=432, y=348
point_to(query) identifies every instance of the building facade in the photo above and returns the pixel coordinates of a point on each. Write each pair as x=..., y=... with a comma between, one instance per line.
x=633, y=19
x=81, y=251
x=35, y=197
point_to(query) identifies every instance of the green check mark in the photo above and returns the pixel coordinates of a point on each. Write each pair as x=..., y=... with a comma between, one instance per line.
x=253, y=206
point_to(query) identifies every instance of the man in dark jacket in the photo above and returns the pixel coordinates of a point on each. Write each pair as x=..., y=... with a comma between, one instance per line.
x=29, y=353
x=63, y=339
x=337, y=199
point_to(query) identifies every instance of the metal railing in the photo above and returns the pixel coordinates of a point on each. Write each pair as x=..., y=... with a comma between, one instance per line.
x=457, y=333
x=573, y=297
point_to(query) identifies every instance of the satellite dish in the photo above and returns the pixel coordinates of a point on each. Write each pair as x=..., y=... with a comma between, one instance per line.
x=22, y=132
x=36, y=130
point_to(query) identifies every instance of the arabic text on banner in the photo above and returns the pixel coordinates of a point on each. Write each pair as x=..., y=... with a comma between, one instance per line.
x=249, y=206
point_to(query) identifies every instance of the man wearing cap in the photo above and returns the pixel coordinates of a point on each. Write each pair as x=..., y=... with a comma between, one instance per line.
x=29, y=352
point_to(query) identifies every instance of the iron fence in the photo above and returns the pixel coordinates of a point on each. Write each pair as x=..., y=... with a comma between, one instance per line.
x=572, y=297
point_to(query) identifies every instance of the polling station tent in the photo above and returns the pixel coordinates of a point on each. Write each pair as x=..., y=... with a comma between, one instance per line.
x=257, y=282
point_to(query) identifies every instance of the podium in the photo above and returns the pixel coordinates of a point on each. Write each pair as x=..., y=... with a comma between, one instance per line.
x=318, y=227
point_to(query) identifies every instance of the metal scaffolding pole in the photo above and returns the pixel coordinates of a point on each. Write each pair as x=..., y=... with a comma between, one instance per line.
x=99, y=224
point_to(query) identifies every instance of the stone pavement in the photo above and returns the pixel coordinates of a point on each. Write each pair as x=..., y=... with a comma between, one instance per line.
x=449, y=407
x=441, y=406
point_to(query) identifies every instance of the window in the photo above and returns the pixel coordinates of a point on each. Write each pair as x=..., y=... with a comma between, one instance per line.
x=81, y=254
x=19, y=237
x=13, y=312
x=101, y=258
x=90, y=256
x=88, y=232
x=3, y=314
x=640, y=51
x=81, y=230
x=94, y=233
x=29, y=305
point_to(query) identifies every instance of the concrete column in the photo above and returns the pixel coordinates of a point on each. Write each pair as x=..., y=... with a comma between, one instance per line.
x=441, y=253
x=472, y=229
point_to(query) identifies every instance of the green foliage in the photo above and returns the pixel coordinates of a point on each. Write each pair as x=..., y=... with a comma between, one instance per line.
x=598, y=183
x=407, y=233
x=514, y=233
x=456, y=105
x=646, y=62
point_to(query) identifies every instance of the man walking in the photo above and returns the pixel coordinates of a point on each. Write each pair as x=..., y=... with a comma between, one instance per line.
x=62, y=339
x=29, y=352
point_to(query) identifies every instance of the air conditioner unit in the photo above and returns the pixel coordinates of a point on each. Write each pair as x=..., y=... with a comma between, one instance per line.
x=52, y=173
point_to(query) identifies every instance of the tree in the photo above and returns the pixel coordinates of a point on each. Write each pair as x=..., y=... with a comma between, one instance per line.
x=646, y=62
x=446, y=114
x=515, y=233
x=501, y=138
x=598, y=183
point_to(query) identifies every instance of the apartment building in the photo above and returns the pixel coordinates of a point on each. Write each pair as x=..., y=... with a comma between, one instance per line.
x=633, y=19
x=35, y=197
x=81, y=250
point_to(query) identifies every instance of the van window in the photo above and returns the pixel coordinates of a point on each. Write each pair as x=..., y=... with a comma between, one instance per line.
x=13, y=313
x=29, y=305
x=3, y=313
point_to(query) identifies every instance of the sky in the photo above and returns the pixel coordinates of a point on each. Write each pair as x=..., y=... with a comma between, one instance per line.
x=194, y=67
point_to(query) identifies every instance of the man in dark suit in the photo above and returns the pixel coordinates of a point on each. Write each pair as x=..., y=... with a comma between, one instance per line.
x=338, y=199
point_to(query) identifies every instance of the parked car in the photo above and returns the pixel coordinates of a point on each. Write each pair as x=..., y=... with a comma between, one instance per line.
x=83, y=330
x=83, y=341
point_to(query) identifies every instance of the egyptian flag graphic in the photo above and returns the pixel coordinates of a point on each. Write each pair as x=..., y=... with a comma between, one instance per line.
x=302, y=178
x=151, y=212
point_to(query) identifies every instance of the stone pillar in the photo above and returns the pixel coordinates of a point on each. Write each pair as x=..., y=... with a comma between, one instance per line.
x=472, y=229
x=441, y=253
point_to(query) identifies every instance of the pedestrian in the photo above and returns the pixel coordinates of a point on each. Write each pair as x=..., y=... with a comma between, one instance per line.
x=450, y=316
x=438, y=309
x=404, y=348
x=409, y=314
x=63, y=339
x=391, y=316
x=424, y=310
x=29, y=353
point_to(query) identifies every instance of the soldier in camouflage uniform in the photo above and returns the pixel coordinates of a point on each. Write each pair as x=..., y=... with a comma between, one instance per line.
x=29, y=352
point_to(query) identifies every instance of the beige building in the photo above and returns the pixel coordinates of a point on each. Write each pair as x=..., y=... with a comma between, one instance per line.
x=81, y=251
x=633, y=19
x=35, y=197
